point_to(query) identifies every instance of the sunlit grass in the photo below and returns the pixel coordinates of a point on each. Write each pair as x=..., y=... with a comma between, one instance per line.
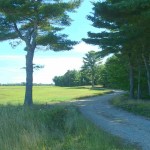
x=47, y=94
x=57, y=128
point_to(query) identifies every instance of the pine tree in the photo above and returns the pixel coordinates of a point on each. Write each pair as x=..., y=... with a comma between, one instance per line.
x=36, y=23
x=125, y=26
x=90, y=62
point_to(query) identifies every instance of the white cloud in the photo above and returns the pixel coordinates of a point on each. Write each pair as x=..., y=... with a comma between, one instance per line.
x=82, y=47
x=55, y=64
x=54, y=67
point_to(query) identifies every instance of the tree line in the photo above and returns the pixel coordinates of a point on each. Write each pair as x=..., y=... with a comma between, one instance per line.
x=85, y=76
x=112, y=74
x=125, y=32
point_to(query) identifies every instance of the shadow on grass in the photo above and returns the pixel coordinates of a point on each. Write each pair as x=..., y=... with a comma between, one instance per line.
x=19, y=107
x=96, y=95
x=87, y=87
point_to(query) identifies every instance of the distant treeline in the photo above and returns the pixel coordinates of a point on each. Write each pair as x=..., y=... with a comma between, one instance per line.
x=113, y=74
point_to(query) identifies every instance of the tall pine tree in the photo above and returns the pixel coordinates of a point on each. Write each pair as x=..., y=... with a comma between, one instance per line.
x=124, y=24
x=36, y=23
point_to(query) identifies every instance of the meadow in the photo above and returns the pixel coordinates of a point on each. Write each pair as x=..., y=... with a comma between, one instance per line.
x=47, y=94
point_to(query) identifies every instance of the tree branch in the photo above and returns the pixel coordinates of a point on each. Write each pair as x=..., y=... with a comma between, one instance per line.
x=17, y=30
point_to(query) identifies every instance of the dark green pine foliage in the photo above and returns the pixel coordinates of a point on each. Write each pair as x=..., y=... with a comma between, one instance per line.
x=125, y=30
x=37, y=23
x=137, y=14
x=117, y=72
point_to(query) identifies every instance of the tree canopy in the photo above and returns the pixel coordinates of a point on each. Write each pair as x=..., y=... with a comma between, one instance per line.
x=126, y=31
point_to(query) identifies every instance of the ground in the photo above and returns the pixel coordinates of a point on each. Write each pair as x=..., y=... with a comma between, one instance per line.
x=134, y=129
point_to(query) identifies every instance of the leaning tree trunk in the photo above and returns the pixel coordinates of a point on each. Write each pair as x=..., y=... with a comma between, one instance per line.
x=29, y=77
x=146, y=62
x=131, y=78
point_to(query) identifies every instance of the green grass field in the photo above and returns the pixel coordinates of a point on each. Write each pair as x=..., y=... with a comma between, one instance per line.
x=46, y=94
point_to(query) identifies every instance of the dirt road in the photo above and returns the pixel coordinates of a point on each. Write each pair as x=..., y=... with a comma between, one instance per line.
x=132, y=128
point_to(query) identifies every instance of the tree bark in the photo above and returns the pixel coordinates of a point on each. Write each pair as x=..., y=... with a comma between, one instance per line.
x=139, y=82
x=131, y=78
x=29, y=77
x=92, y=79
x=146, y=62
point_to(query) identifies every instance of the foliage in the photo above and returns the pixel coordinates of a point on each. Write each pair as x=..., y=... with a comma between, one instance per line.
x=113, y=74
x=24, y=19
x=101, y=76
x=117, y=73
x=85, y=76
x=125, y=30
x=90, y=63
x=70, y=78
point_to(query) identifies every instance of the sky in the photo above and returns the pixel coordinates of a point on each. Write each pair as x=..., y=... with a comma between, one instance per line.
x=12, y=60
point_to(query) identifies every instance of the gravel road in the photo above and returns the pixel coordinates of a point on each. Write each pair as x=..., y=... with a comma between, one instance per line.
x=134, y=129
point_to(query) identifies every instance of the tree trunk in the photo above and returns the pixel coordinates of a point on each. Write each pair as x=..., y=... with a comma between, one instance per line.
x=131, y=78
x=146, y=62
x=139, y=83
x=92, y=80
x=29, y=77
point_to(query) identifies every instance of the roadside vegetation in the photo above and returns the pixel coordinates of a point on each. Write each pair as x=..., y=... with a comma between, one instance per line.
x=48, y=94
x=56, y=128
x=138, y=107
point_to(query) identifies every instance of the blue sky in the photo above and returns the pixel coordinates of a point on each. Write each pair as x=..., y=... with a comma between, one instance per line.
x=55, y=63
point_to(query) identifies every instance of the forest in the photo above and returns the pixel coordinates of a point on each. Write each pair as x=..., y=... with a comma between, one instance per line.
x=112, y=74
x=125, y=35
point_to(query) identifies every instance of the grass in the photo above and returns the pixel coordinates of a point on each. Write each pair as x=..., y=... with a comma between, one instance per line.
x=47, y=94
x=138, y=107
x=58, y=128
x=51, y=127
